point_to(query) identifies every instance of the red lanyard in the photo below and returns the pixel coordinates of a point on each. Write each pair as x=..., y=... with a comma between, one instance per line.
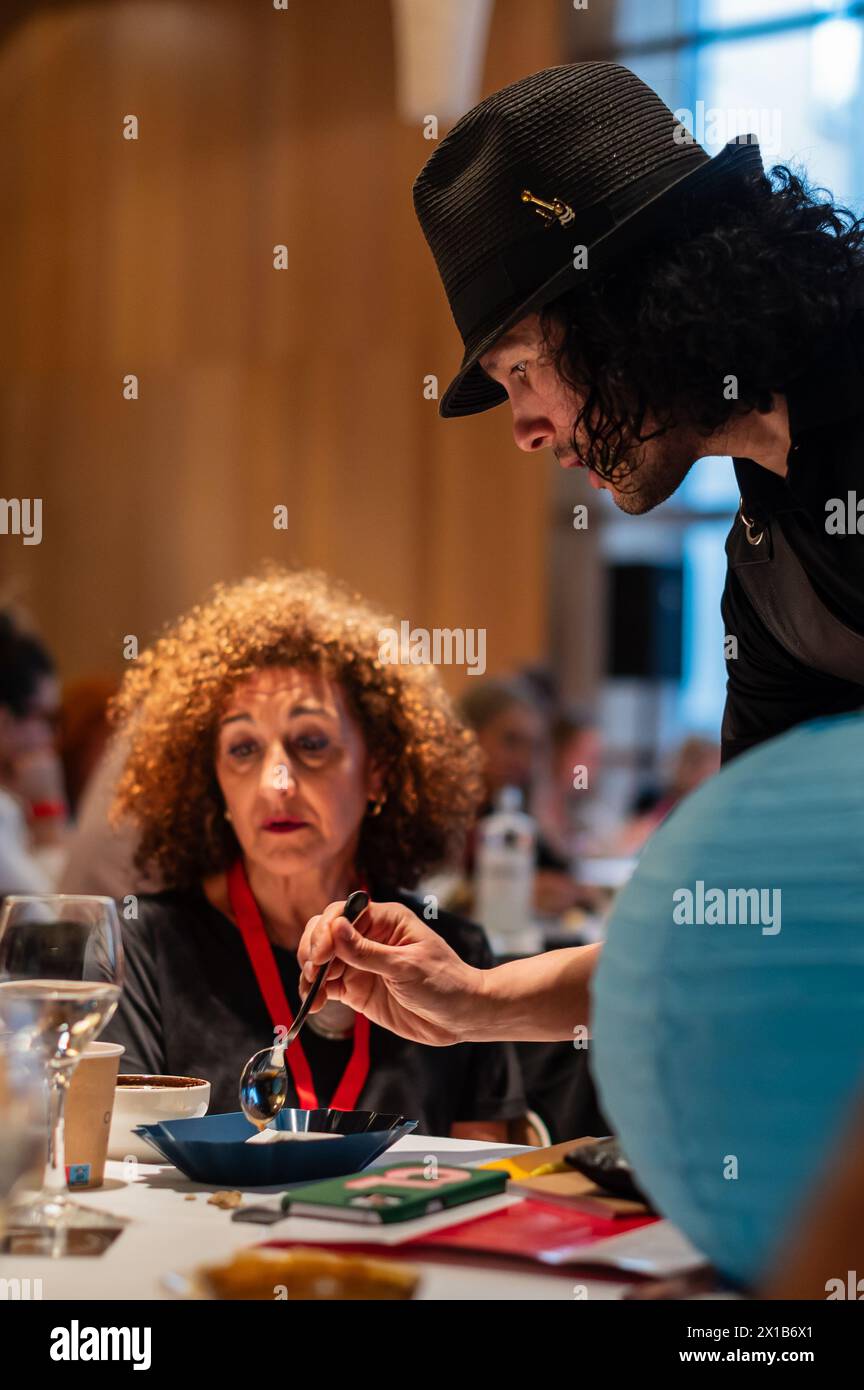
x=260, y=953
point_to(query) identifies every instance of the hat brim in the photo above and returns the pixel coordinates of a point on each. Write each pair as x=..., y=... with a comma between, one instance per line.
x=472, y=391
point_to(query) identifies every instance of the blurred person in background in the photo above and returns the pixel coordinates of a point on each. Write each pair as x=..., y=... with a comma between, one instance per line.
x=100, y=856
x=696, y=759
x=525, y=744
x=33, y=808
x=512, y=730
x=273, y=764
x=83, y=731
x=568, y=807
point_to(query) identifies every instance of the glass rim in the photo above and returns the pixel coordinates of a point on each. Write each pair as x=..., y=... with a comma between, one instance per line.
x=11, y=898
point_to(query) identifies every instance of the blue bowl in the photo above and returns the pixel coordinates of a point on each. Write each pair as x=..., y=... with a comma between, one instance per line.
x=212, y=1150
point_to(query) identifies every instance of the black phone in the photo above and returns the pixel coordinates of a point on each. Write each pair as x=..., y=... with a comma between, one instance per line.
x=603, y=1162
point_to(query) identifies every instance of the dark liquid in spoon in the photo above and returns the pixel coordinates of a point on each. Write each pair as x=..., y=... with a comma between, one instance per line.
x=264, y=1092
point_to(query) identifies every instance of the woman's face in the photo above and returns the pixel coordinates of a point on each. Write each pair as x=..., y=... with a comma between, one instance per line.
x=294, y=771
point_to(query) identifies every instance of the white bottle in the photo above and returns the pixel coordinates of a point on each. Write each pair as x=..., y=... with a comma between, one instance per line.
x=505, y=876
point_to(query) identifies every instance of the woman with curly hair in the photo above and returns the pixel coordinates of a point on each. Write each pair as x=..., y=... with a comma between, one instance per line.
x=275, y=765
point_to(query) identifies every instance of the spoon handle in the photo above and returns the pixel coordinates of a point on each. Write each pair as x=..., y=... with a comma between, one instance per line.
x=356, y=903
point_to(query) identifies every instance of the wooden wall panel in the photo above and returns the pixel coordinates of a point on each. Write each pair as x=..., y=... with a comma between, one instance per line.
x=257, y=387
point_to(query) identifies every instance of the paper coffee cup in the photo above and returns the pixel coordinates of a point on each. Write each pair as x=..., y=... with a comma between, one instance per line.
x=89, y=1105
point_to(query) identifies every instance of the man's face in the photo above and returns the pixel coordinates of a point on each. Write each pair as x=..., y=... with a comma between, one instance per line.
x=33, y=731
x=511, y=742
x=545, y=410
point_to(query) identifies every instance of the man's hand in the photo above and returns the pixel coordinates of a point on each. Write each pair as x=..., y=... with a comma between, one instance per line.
x=391, y=967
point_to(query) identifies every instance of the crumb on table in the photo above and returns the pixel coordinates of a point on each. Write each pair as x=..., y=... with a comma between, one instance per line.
x=225, y=1200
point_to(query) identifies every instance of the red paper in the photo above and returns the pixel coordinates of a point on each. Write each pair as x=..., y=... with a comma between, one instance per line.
x=530, y=1230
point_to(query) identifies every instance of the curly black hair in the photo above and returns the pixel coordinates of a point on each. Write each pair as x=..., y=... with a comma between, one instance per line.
x=754, y=285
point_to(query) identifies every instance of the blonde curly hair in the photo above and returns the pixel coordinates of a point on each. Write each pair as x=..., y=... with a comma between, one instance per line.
x=171, y=699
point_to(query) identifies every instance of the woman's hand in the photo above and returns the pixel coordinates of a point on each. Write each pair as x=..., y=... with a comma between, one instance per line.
x=395, y=970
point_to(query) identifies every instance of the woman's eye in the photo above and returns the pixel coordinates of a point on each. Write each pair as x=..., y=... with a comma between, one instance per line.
x=312, y=743
x=242, y=750
x=520, y=368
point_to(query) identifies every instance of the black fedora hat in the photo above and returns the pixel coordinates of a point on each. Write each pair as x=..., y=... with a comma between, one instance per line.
x=584, y=155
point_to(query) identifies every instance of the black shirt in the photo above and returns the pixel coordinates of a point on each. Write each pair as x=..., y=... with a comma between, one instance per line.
x=191, y=1007
x=768, y=689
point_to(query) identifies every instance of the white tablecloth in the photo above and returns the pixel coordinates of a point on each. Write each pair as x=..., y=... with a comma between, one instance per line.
x=166, y=1232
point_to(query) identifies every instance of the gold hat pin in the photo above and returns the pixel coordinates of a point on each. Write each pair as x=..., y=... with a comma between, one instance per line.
x=550, y=212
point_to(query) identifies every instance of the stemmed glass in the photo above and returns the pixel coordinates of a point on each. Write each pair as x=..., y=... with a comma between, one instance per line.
x=22, y=1123
x=61, y=972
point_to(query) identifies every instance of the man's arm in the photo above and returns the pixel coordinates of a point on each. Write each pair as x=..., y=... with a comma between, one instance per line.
x=391, y=967
x=827, y=1240
x=543, y=998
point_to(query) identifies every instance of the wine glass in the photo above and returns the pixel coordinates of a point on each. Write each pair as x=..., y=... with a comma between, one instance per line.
x=61, y=972
x=23, y=1127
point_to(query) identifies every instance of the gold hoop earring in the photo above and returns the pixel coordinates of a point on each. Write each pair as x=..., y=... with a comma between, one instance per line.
x=376, y=807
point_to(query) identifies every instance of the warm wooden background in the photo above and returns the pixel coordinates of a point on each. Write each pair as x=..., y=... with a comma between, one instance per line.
x=257, y=387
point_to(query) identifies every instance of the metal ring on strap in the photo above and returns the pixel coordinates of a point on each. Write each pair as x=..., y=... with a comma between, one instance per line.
x=749, y=526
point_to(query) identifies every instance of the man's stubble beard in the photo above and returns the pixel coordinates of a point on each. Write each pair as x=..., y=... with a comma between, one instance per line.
x=653, y=471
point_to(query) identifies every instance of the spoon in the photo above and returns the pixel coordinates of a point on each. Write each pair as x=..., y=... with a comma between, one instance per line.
x=264, y=1080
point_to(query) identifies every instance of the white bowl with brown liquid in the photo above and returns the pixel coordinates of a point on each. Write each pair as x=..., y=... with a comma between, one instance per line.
x=148, y=1100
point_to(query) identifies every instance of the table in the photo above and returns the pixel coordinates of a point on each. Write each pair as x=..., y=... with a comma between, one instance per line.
x=167, y=1232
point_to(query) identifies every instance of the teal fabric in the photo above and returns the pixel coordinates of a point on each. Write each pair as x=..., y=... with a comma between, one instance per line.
x=724, y=1048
